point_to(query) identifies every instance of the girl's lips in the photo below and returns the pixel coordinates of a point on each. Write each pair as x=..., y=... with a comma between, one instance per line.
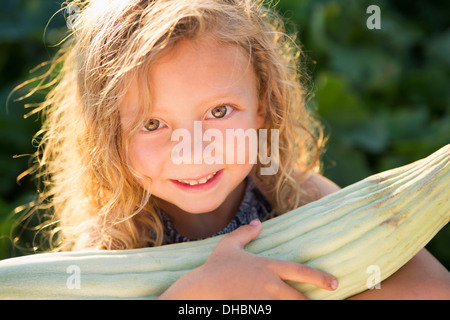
x=200, y=185
x=198, y=180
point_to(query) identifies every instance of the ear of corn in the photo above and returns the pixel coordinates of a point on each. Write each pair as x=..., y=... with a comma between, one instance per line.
x=376, y=224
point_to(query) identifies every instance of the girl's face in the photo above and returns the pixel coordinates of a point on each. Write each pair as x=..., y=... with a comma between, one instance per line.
x=196, y=85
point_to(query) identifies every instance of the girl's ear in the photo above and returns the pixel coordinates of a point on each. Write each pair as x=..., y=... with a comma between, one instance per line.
x=261, y=115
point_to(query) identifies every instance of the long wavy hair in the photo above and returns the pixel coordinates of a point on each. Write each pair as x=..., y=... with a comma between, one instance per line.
x=88, y=185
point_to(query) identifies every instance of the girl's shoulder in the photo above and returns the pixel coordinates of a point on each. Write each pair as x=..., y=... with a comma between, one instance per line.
x=316, y=185
x=320, y=184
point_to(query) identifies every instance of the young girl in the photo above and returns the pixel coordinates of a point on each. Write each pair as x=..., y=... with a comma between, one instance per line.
x=135, y=76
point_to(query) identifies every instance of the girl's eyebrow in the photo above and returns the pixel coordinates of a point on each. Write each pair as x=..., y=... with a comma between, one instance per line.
x=237, y=96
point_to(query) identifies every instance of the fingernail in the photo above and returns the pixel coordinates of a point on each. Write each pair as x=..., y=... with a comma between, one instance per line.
x=255, y=222
x=334, y=284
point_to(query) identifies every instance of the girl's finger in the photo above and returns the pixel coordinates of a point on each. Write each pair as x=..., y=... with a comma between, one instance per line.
x=242, y=235
x=302, y=273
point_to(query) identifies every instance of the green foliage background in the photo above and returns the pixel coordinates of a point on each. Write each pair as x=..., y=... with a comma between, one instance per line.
x=383, y=95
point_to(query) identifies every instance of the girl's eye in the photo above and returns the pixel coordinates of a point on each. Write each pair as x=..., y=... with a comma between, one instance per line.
x=153, y=125
x=220, y=111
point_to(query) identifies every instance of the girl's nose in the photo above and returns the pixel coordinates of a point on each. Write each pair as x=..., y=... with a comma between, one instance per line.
x=194, y=145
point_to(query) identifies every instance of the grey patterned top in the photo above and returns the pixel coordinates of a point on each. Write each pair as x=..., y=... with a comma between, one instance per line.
x=254, y=205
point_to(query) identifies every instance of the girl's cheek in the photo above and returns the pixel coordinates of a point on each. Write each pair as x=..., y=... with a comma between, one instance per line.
x=239, y=140
x=148, y=156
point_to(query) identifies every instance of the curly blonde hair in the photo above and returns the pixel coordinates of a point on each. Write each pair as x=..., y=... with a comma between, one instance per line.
x=89, y=186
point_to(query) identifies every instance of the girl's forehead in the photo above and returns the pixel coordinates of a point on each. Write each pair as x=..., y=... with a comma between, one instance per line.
x=207, y=50
x=195, y=71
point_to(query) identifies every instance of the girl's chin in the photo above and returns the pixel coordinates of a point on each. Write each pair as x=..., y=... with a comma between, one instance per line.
x=190, y=204
x=195, y=208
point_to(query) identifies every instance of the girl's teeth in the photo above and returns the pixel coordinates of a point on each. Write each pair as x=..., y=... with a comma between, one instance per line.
x=201, y=181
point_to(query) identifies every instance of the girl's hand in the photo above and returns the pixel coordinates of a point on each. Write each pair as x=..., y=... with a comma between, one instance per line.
x=233, y=273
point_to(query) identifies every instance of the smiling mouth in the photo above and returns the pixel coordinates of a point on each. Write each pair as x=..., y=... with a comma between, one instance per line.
x=193, y=182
